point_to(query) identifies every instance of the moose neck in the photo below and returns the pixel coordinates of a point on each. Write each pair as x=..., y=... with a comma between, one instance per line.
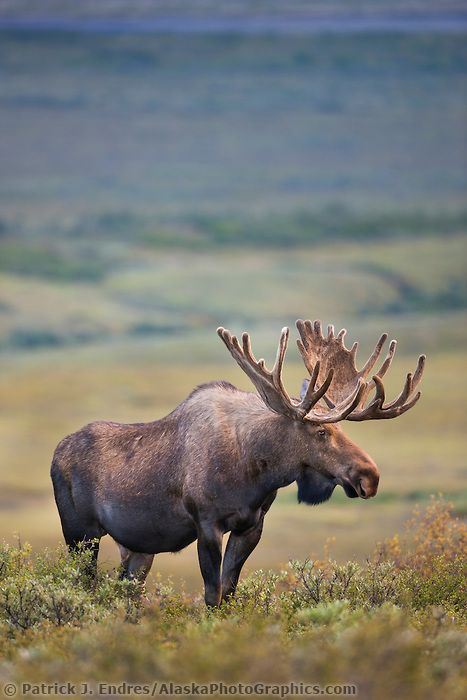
x=267, y=442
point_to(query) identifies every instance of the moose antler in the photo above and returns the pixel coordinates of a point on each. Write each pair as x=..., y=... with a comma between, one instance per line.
x=271, y=389
x=334, y=377
x=330, y=351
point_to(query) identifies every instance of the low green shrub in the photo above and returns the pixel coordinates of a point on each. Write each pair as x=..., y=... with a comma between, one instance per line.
x=55, y=589
x=393, y=626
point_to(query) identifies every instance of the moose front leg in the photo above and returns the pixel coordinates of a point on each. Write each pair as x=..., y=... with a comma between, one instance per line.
x=239, y=547
x=210, y=557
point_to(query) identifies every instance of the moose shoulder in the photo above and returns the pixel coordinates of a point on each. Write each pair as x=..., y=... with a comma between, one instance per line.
x=215, y=463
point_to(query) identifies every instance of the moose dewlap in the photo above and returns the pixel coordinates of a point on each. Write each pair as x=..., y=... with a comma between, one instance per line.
x=215, y=463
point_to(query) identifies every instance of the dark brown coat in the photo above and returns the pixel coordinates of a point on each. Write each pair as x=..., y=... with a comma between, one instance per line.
x=212, y=466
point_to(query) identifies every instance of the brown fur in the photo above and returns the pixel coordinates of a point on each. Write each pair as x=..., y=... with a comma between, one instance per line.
x=211, y=466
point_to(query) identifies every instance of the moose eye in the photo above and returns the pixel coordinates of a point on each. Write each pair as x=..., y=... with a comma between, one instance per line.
x=322, y=433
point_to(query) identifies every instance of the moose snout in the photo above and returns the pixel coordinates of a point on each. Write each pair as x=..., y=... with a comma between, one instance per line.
x=362, y=481
x=367, y=486
x=366, y=480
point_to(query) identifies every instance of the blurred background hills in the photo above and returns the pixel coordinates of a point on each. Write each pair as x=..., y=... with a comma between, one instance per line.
x=168, y=167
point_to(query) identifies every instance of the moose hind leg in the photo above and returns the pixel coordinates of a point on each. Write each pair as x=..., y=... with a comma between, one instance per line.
x=80, y=531
x=135, y=565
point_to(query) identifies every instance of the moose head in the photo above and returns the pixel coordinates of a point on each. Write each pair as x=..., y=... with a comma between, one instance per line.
x=335, y=391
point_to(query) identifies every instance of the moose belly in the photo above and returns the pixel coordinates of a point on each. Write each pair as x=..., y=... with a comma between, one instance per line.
x=150, y=533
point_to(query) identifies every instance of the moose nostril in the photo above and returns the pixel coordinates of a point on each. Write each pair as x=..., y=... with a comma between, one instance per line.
x=362, y=490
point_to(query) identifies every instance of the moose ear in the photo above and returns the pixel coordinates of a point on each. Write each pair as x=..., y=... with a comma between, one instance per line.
x=304, y=388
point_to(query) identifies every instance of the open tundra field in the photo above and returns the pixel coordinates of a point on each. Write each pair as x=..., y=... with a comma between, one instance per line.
x=131, y=371
x=390, y=627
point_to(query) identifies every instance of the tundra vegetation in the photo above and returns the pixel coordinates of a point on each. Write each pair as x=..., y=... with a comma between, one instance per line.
x=394, y=626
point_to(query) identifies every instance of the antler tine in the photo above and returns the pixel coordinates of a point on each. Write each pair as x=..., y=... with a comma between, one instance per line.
x=314, y=375
x=339, y=412
x=381, y=372
x=418, y=374
x=380, y=394
x=249, y=356
x=324, y=387
x=385, y=413
x=229, y=340
x=387, y=360
x=312, y=397
x=410, y=385
x=247, y=351
x=308, y=387
x=268, y=383
x=279, y=361
x=370, y=363
x=305, y=358
x=354, y=402
x=406, y=392
x=280, y=356
x=305, y=330
x=369, y=411
x=341, y=335
x=406, y=407
x=377, y=410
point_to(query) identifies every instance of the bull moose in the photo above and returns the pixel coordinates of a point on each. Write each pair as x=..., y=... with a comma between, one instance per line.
x=215, y=463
